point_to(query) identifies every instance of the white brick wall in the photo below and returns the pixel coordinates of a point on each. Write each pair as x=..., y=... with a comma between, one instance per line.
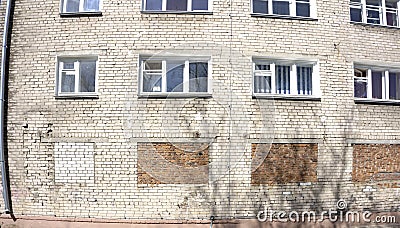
x=74, y=162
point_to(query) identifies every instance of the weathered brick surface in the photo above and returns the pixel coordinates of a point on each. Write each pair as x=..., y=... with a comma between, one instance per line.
x=232, y=120
x=178, y=163
x=286, y=163
x=377, y=163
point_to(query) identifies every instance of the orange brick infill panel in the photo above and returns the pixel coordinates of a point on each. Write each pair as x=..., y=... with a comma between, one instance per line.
x=377, y=163
x=285, y=163
x=178, y=163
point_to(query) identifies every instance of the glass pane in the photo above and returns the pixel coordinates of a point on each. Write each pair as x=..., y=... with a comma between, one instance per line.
x=280, y=7
x=391, y=19
x=175, y=76
x=199, y=4
x=394, y=86
x=360, y=88
x=303, y=9
x=87, y=76
x=91, y=5
x=260, y=6
x=376, y=85
x=282, y=81
x=198, y=76
x=262, y=84
x=67, y=82
x=355, y=15
x=373, y=16
x=152, y=82
x=72, y=6
x=262, y=67
x=68, y=65
x=177, y=5
x=153, y=4
x=304, y=80
x=153, y=65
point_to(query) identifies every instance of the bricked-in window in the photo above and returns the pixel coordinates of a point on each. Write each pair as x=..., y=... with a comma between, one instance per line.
x=176, y=5
x=77, y=76
x=294, y=8
x=381, y=12
x=283, y=163
x=285, y=77
x=163, y=76
x=376, y=83
x=80, y=6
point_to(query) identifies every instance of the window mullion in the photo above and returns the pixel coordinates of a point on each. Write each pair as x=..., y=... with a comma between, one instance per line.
x=189, y=5
x=164, y=77
x=273, y=79
x=385, y=85
x=81, y=8
x=164, y=5
x=364, y=11
x=383, y=12
x=293, y=80
x=76, y=68
x=60, y=72
x=270, y=7
x=186, y=77
x=369, y=83
x=292, y=7
x=397, y=14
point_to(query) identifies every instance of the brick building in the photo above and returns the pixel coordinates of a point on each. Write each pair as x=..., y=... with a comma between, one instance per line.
x=183, y=110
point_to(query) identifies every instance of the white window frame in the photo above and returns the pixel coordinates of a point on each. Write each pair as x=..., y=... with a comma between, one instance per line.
x=385, y=81
x=189, y=7
x=293, y=91
x=63, y=7
x=382, y=12
x=76, y=70
x=185, y=92
x=292, y=8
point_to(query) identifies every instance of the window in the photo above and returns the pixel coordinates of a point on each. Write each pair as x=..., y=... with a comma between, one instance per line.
x=176, y=5
x=284, y=77
x=376, y=83
x=175, y=75
x=381, y=12
x=299, y=8
x=77, y=76
x=80, y=6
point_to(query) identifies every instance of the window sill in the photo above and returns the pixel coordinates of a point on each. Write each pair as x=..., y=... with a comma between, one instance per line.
x=284, y=17
x=374, y=25
x=286, y=97
x=77, y=96
x=81, y=14
x=177, y=12
x=174, y=95
x=376, y=101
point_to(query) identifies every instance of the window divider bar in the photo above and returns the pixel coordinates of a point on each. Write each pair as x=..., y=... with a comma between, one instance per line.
x=76, y=68
x=164, y=76
x=383, y=12
x=164, y=5
x=292, y=7
x=186, y=77
x=189, y=5
x=385, y=85
x=364, y=11
x=369, y=83
x=273, y=78
x=81, y=6
x=293, y=80
x=270, y=7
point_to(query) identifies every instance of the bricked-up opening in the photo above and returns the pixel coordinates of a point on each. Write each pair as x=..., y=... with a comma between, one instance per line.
x=285, y=163
x=377, y=163
x=177, y=163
